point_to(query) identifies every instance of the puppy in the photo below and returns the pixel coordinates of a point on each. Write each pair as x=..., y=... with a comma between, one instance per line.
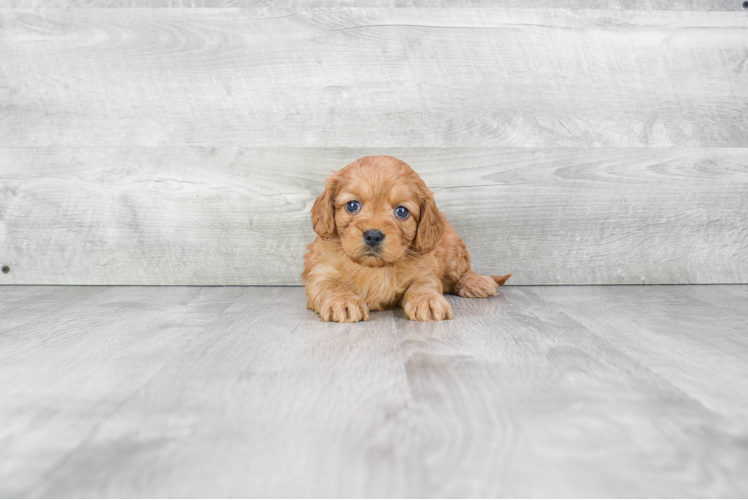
x=382, y=243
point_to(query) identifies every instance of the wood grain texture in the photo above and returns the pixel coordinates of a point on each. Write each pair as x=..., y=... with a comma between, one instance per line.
x=21, y=305
x=231, y=392
x=373, y=77
x=302, y=5
x=185, y=145
x=637, y=320
x=92, y=356
x=235, y=216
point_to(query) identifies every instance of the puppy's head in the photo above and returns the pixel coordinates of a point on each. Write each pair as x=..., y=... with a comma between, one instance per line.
x=380, y=210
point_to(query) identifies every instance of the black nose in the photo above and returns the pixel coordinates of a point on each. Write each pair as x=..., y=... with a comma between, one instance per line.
x=373, y=237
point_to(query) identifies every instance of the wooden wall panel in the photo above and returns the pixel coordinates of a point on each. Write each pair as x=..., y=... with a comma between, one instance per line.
x=374, y=77
x=693, y=5
x=229, y=215
x=573, y=142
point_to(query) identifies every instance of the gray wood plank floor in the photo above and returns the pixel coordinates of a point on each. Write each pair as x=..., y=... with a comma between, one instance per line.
x=542, y=391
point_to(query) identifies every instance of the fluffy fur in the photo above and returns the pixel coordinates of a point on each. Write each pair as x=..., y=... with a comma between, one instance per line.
x=420, y=259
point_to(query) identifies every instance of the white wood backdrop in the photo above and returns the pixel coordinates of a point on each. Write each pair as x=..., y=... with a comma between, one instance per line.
x=569, y=143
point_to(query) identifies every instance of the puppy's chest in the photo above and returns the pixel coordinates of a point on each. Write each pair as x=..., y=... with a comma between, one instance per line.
x=380, y=287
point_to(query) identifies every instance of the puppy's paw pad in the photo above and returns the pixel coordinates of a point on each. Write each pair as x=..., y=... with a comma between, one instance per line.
x=346, y=310
x=474, y=285
x=432, y=307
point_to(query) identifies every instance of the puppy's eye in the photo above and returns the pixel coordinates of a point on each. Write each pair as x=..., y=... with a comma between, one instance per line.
x=401, y=212
x=353, y=207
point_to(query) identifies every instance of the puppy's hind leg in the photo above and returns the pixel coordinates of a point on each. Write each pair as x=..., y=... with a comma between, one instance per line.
x=474, y=285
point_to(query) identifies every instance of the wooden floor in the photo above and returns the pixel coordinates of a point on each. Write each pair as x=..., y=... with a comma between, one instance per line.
x=543, y=391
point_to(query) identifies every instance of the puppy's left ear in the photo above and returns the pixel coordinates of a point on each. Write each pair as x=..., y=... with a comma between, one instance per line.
x=431, y=224
x=323, y=211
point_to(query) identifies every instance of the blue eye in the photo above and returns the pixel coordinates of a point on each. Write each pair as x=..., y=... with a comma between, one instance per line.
x=401, y=212
x=353, y=207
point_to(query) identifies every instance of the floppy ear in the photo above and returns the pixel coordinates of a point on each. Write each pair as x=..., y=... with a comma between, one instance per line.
x=431, y=224
x=323, y=211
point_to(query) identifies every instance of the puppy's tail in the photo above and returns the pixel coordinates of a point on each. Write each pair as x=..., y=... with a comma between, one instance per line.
x=500, y=280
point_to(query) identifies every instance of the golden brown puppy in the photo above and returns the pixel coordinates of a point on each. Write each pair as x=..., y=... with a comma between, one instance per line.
x=382, y=243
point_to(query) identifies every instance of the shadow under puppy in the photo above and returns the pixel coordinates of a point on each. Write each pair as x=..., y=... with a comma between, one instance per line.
x=383, y=243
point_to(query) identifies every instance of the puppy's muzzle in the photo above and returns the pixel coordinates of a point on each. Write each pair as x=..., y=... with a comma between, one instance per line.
x=373, y=237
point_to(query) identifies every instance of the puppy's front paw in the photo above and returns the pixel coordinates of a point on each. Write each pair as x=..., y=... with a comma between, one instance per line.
x=344, y=310
x=428, y=307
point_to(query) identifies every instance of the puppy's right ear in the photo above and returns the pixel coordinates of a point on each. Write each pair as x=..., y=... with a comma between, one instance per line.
x=323, y=210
